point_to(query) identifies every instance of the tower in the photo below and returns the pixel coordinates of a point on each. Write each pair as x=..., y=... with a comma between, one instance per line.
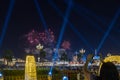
x=30, y=68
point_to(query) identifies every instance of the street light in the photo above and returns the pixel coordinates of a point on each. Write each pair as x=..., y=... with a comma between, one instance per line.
x=1, y=76
x=39, y=47
x=65, y=78
x=108, y=54
x=82, y=51
x=50, y=76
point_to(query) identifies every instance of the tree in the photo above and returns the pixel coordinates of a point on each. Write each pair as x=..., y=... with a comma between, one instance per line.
x=8, y=54
x=42, y=54
x=80, y=54
x=66, y=46
x=64, y=57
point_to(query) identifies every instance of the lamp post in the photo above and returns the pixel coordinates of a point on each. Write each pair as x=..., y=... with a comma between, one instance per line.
x=65, y=78
x=1, y=76
x=50, y=76
x=82, y=51
x=108, y=54
x=39, y=47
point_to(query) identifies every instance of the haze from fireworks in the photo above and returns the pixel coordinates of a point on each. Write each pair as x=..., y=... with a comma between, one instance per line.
x=34, y=38
x=66, y=45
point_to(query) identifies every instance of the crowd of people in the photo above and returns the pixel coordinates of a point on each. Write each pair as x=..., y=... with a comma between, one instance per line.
x=108, y=71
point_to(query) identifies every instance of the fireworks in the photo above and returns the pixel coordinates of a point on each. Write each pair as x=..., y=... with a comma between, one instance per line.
x=66, y=45
x=45, y=38
x=32, y=38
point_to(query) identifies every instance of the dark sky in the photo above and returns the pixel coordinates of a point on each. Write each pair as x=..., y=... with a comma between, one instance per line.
x=90, y=20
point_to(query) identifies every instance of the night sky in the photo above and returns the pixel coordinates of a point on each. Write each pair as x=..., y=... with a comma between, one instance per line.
x=88, y=21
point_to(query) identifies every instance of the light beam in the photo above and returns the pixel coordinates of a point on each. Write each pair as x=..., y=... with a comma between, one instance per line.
x=6, y=21
x=108, y=30
x=71, y=25
x=87, y=16
x=40, y=14
x=62, y=31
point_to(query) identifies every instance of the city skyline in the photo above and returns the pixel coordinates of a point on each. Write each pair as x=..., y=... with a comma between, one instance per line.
x=90, y=24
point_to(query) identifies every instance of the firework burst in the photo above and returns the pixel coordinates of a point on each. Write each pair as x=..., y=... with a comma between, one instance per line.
x=66, y=45
x=45, y=38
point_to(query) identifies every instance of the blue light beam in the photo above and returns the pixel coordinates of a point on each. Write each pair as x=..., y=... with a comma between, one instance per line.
x=82, y=38
x=108, y=31
x=6, y=21
x=41, y=15
x=64, y=24
x=86, y=13
x=61, y=32
x=71, y=25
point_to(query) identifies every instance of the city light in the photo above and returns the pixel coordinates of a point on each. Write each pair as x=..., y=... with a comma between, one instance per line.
x=58, y=39
x=65, y=78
